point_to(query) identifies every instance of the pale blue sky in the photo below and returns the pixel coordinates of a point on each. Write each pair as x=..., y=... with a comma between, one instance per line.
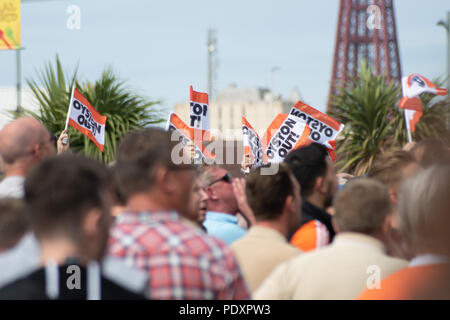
x=159, y=46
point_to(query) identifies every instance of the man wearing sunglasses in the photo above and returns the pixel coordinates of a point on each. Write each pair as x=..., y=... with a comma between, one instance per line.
x=221, y=220
x=181, y=261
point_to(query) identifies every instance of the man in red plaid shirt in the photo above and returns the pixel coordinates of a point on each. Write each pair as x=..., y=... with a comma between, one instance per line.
x=182, y=262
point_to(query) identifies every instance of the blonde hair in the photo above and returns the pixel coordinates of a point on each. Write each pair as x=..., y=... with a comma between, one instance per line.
x=207, y=174
x=362, y=205
x=424, y=208
x=388, y=167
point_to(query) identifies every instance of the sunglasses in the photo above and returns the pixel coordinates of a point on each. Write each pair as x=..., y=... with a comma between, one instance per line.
x=226, y=178
x=52, y=139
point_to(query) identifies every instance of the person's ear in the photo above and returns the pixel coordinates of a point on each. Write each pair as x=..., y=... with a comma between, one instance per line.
x=211, y=194
x=290, y=205
x=91, y=222
x=163, y=179
x=320, y=185
x=36, y=151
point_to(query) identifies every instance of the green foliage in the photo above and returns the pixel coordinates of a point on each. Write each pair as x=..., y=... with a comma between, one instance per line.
x=367, y=106
x=126, y=111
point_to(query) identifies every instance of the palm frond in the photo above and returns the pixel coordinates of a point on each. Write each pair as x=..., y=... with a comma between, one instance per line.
x=126, y=111
x=367, y=106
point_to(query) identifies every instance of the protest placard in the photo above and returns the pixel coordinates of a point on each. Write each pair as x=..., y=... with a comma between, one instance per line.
x=83, y=117
x=412, y=87
x=184, y=135
x=283, y=135
x=199, y=115
x=252, y=144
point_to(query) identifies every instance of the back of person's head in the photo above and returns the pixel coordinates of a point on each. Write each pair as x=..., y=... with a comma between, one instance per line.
x=267, y=194
x=431, y=151
x=14, y=222
x=25, y=138
x=139, y=155
x=389, y=168
x=307, y=164
x=62, y=192
x=424, y=210
x=362, y=206
x=148, y=163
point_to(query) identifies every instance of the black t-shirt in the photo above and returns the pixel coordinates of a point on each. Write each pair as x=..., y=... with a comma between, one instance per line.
x=311, y=212
x=33, y=286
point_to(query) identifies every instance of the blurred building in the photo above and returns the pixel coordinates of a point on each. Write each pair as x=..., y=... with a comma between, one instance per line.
x=258, y=105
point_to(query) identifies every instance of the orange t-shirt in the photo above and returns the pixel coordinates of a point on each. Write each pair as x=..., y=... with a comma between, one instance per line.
x=430, y=281
x=310, y=236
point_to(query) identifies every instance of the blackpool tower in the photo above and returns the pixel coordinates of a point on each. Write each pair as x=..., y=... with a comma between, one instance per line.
x=365, y=30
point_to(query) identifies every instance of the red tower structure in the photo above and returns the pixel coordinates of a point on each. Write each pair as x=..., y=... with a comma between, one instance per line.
x=365, y=30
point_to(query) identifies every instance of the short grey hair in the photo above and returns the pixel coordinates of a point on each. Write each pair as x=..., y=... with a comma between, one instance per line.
x=424, y=209
x=362, y=205
x=207, y=174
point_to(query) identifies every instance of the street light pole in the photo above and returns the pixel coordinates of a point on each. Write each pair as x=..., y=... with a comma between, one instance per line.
x=446, y=25
x=448, y=51
x=211, y=49
x=19, y=79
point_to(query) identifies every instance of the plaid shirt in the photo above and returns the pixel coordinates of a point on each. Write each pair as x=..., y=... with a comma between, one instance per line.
x=182, y=262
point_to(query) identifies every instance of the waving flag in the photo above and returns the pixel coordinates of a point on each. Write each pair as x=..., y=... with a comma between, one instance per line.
x=199, y=115
x=174, y=123
x=324, y=129
x=83, y=117
x=252, y=144
x=283, y=135
x=412, y=87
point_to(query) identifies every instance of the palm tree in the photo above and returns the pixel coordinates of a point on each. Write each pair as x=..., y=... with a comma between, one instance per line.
x=367, y=106
x=125, y=110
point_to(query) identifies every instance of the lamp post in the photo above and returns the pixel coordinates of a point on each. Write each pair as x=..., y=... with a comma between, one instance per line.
x=19, y=79
x=446, y=25
x=211, y=48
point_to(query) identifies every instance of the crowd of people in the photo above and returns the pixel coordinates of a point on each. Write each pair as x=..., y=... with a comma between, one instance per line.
x=145, y=227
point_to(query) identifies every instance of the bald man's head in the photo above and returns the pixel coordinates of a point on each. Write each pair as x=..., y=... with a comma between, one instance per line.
x=25, y=138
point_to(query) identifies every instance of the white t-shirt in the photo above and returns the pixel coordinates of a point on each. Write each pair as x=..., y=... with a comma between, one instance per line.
x=12, y=187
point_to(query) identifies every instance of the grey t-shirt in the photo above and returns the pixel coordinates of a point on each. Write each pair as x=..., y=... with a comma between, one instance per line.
x=20, y=260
